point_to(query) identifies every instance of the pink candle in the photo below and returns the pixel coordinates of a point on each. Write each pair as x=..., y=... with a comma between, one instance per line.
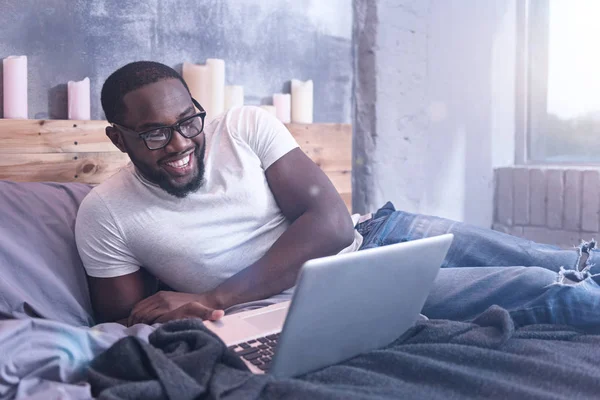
x=79, y=99
x=302, y=101
x=216, y=66
x=15, y=87
x=283, y=107
x=197, y=78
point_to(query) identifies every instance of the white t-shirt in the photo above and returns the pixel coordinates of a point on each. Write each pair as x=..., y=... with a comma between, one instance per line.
x=195, y=243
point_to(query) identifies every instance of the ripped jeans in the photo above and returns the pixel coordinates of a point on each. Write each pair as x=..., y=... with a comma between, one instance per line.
x=536, y=283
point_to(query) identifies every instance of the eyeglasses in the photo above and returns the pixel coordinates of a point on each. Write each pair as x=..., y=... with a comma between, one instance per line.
x=158, y=138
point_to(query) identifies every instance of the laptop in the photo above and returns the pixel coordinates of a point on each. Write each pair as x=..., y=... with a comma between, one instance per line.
x=342, y=306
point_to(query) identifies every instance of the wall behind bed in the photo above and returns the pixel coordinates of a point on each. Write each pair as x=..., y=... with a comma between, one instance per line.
x=435, y=104
x=264, y=44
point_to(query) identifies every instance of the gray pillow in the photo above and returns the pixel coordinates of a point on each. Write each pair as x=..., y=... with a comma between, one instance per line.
x=41, y=274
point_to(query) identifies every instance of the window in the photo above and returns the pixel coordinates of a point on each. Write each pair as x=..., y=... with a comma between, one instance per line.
x=563, y=80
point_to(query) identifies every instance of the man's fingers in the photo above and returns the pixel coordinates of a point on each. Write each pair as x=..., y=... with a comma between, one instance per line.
x=145, y=303
x=141, y=309
x=198, y=310
x=191, y=310
x=150, y=317
x=166, y=317
x=216, y=315
x=149, y=311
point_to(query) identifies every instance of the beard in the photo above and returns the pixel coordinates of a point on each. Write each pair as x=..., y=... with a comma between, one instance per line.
x=162, y=179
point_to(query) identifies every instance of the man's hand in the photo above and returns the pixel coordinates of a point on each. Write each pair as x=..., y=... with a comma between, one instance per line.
x=191, y=310
x=166, y=306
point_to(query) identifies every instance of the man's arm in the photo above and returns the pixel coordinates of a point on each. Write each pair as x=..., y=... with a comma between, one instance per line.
x=115, y=279
x=321, y=226
x=114, y=298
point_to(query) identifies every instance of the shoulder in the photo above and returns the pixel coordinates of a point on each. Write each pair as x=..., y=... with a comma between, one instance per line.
x=106, y=195
x=100, y=212
x=244, y=119
x=93, y=212
x=245, y=114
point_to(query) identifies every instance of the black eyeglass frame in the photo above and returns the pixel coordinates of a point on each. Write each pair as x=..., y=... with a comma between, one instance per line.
x=176, y=126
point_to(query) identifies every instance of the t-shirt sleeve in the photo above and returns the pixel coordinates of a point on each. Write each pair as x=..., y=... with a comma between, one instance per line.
x=264, y=133
x=100, y=242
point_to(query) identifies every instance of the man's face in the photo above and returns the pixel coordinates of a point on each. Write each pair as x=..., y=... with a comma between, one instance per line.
x=177, y=168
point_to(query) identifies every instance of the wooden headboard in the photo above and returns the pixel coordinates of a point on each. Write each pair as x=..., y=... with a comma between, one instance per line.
x=79, y=151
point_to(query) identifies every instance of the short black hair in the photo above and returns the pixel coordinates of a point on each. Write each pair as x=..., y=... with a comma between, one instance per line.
x=128, y=78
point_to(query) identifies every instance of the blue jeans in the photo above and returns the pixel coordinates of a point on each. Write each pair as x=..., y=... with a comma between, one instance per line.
x=536, y=283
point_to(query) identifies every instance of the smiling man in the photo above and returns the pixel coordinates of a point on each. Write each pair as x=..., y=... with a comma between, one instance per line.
x=222, y=212
x=178, y=174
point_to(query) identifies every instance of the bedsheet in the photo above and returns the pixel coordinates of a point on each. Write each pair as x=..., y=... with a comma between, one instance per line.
x=43, y=359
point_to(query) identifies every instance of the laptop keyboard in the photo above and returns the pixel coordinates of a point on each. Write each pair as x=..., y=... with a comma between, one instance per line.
x=259, y=351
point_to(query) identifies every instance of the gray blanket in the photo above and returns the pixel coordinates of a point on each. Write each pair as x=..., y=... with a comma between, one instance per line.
x=488, y=358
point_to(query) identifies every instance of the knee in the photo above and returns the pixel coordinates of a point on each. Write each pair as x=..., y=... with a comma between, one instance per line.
x=537, y=276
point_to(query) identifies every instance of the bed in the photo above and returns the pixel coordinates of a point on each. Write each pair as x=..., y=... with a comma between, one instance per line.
x=51, y=348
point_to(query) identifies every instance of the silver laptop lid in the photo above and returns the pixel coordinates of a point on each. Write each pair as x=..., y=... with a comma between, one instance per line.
x=349, y=304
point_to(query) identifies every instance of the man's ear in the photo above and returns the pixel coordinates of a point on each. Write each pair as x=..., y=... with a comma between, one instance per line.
x=115, y=137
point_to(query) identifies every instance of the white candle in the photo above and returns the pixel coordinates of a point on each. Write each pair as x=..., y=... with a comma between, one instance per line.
x=234, y=96
x=79, y=99
x=216, y=106
x=15, y=87
x=197, y=78
x=302, y=101
x=269, y=109
x=283, y=104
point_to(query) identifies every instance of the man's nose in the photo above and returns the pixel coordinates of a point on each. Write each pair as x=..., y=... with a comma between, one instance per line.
x=178, y=143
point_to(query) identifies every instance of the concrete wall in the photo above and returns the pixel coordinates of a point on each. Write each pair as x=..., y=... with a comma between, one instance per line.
x=434, y=110
x=264, y=43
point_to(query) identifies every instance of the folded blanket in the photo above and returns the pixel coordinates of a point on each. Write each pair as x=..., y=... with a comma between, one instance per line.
x=436, y=359
x=184, y=360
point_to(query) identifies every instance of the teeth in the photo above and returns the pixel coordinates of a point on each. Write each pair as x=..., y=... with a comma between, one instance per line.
x=181, y=162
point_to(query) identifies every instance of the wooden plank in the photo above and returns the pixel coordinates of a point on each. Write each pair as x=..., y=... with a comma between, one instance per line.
x=322, y=141
x=325, y=135
x=328, y=145
x=79, y=151
x=92, y=168
x=53, y=136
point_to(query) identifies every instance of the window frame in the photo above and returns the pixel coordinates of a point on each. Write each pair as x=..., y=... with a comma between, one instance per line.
x=533, y=21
